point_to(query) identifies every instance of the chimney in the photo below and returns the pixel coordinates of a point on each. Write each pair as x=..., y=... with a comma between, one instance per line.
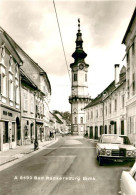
x=116, y=74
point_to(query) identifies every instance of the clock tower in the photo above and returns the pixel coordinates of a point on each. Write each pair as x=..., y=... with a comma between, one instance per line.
x=79, y=90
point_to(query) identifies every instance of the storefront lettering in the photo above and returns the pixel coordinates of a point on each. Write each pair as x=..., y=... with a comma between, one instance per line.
x=7, y=113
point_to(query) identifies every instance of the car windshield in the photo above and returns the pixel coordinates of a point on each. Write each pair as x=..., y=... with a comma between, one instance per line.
x=125, y=140
x=113, y=139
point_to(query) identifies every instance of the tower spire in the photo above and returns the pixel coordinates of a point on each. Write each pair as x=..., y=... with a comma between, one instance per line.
x=79, y=53
x=78, y=24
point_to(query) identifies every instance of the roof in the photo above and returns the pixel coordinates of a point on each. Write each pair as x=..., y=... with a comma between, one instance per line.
x=16, y=46
x=6, y=40
x=107, y=92
x=26, y=79
x=129, y=26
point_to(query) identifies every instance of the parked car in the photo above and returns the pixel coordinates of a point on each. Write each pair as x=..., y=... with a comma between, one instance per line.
x=128, y=181
x=115, y=147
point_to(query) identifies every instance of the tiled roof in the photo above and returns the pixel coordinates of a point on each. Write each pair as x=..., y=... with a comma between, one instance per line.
x=107, y=92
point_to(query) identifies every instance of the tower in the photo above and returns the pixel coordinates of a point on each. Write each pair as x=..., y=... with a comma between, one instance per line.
x=79, y=87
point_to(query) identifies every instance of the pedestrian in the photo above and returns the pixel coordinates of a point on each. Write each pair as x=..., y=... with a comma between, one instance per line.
x=36, y=144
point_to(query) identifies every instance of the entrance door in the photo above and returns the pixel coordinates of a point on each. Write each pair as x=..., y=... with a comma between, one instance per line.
x=18, y=130
x=96, y=132
x=122, y=127
x=115, y=128
x=91, y=132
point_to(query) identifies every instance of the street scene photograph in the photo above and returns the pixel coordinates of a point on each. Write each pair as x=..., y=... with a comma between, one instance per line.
x=68, y=97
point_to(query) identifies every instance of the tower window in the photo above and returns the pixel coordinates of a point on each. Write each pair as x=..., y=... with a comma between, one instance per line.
x=86, y=77
x=75, y=120
x=75, y=77
x=81, y=120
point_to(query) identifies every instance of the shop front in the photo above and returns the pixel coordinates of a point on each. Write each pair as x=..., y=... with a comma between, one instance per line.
x=40, y=130
x=28, y=130
x=10, y=131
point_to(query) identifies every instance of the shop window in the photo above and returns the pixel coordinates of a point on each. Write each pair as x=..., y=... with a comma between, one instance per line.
x=5, y=132
x=13, y=132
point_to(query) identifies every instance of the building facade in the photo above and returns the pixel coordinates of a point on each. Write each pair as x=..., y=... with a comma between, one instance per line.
x=10, y=128
x=107, y=112
x=28, y=92
x=24, y=98
x=79, y=87
x=130, y=42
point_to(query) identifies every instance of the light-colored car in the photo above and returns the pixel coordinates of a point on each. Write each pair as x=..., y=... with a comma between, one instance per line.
x=128, y=181
x=115, y=147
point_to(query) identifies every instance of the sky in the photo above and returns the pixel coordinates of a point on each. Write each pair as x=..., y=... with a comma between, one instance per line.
x=33, y=26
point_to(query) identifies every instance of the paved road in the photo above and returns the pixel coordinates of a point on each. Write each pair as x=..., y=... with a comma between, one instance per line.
x=68, y=167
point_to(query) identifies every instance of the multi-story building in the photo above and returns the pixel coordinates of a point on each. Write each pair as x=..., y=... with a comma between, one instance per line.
x=130, y=42
x=28, y=92
x=24, y=114
x=10, y=61
x=79, y=87
x=107, y=112
x=43, y=93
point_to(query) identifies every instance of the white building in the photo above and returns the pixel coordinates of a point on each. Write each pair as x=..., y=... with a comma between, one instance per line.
x=130, y=42
x=107, y=112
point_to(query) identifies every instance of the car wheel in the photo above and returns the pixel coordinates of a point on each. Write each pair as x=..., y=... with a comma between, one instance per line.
x=100, y=161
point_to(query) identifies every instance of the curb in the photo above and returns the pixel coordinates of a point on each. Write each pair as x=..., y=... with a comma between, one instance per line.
x=26, y=155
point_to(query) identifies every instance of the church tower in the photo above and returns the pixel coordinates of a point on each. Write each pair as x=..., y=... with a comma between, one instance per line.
x=79, y=90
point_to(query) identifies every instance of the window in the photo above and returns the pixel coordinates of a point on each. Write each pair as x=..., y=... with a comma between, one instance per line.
x=105, y=110
x=88, y=115
x=91, y=114
x=96, y=113
x=133, y=84
x=4, y=85
x=128, y=88
x=115, y=105
x=75, y=77
x=128, y=59
x=133, y=49
x=17, y=94
x=25, y=100
x=123, y=101
x=109, y=108
x=75, y=120
x=86, y=77
x=5, y=132
x=32, y=103
x=11, y=91
x=13, y=132
x=81, y=120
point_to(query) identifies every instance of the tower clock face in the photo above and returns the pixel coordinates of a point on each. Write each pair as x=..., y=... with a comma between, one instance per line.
x=81, y=66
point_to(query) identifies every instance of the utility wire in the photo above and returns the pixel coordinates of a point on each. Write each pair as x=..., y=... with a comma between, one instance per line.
x=61, y=39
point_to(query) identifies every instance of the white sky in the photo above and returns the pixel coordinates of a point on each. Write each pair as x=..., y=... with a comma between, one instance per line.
x=33, y=25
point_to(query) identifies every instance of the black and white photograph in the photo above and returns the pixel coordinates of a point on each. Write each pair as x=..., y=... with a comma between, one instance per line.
x=67, y=97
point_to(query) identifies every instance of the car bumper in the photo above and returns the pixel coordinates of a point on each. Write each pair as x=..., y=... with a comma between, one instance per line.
x=117, y=158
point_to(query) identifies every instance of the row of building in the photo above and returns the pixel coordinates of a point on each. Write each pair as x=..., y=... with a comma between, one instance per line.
x=114, y=109
x=25, y=93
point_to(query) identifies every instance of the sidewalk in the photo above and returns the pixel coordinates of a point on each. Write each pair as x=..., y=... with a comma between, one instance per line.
x=21, y=151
